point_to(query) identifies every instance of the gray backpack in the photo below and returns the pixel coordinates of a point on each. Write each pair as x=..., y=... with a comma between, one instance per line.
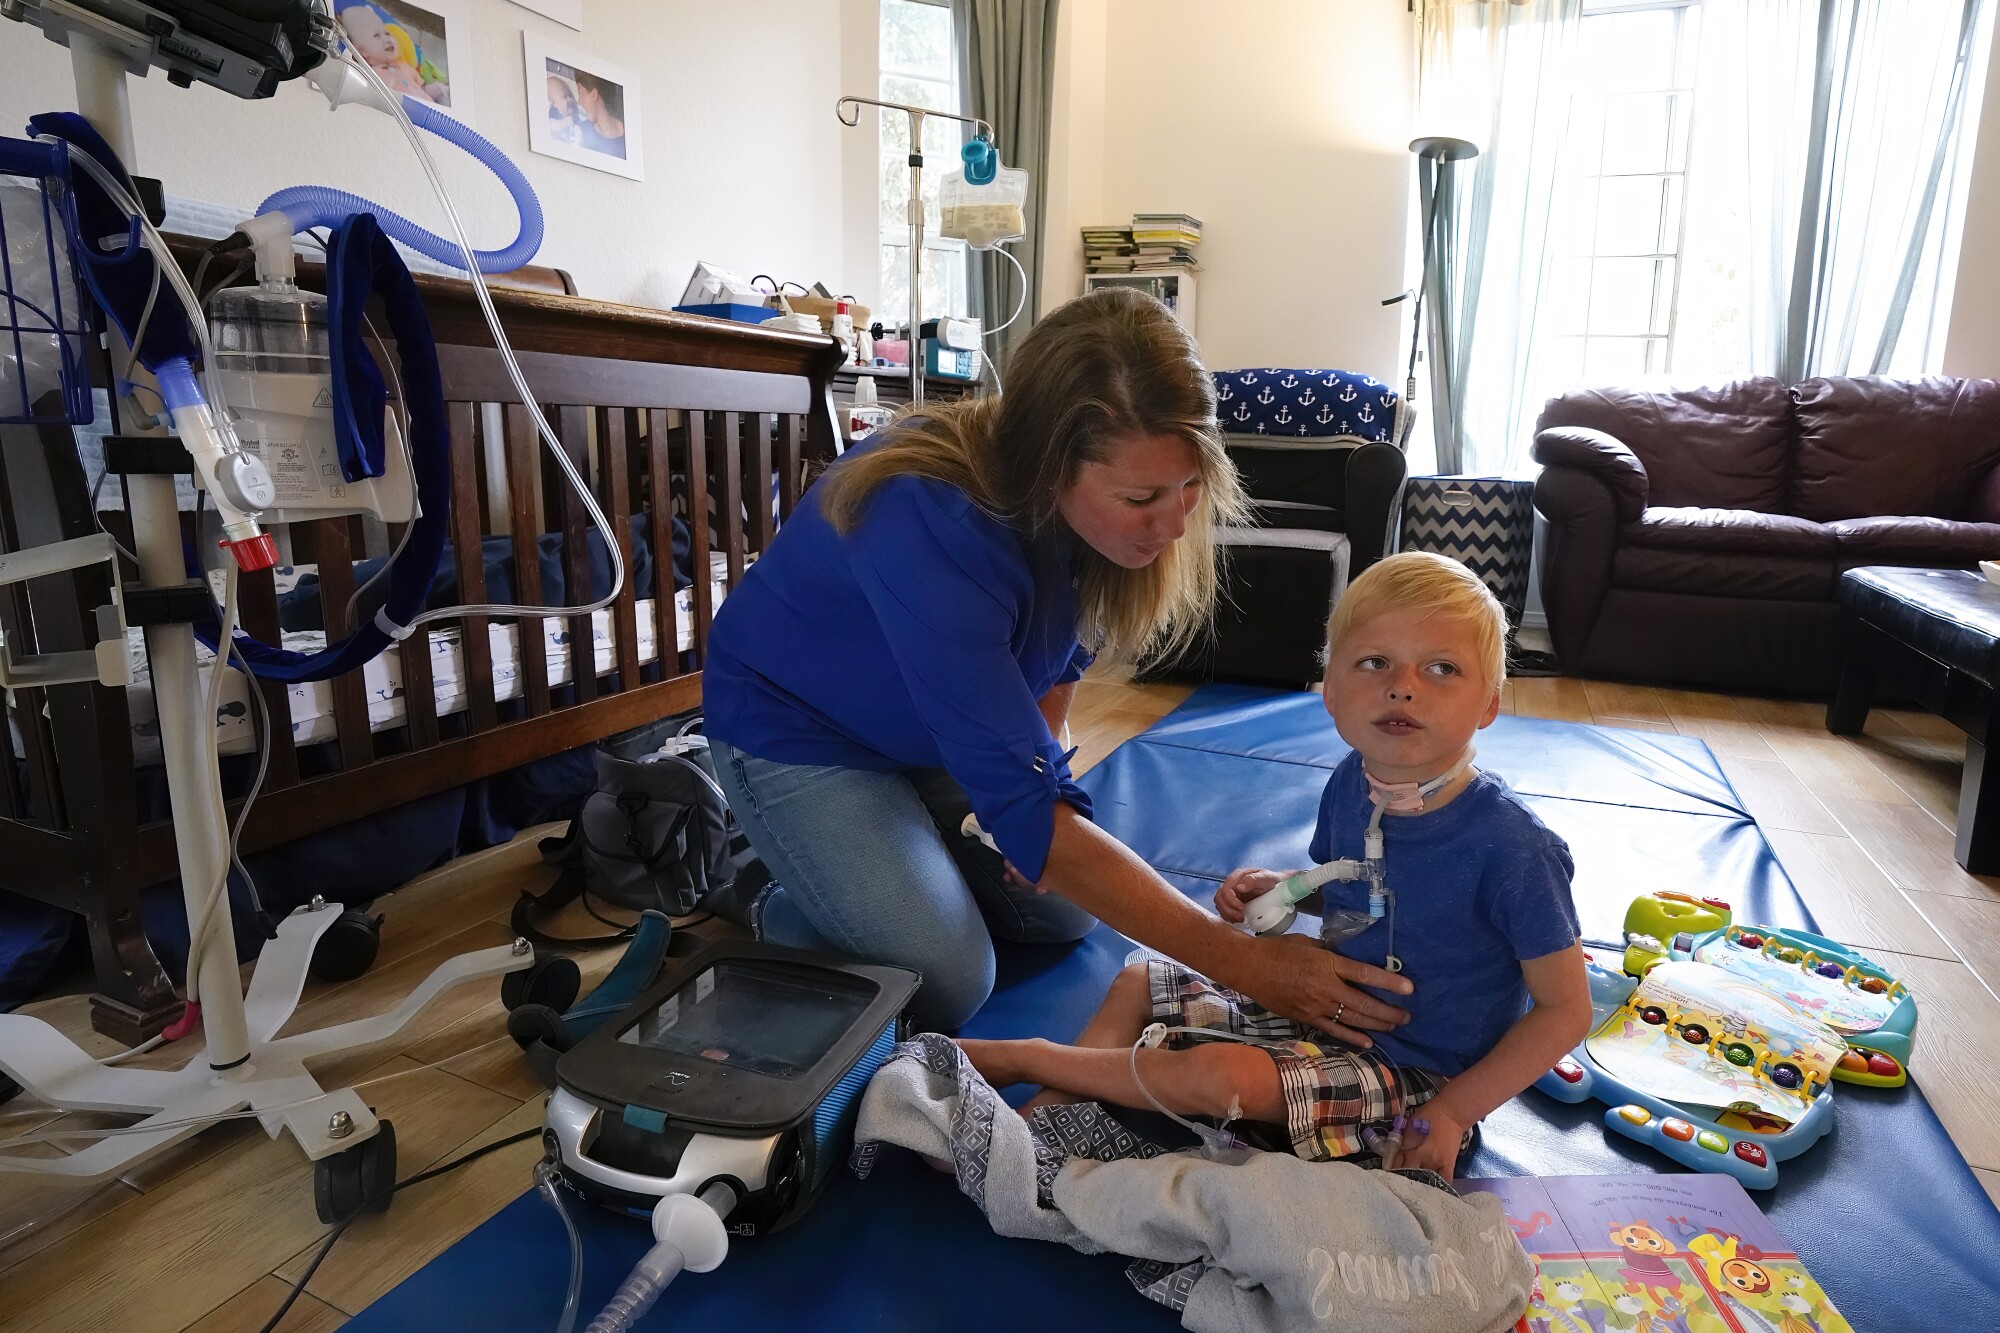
x=655, y=834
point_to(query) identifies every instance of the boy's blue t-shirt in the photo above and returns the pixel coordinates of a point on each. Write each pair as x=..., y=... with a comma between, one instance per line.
x=1478, y=886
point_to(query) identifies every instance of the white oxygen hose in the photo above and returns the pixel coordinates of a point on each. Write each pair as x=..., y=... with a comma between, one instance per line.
x=688, y=1236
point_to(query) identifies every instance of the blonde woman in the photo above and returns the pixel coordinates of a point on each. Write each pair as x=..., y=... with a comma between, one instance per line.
x=906, y=651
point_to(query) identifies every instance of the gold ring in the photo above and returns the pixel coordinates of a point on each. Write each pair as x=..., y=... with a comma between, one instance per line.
x=1339, y=1011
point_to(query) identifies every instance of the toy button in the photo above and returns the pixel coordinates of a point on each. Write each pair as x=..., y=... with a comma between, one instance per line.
x=1569, y=1071
x=1874, y=985
x=1712, y=1141
x=1883, y=1066
x=1637, y=1115
x=1748, y=941
x=1718, y=903
x=1751, y=1152
x=1677, y=1129
x=1854, y=1062
x=1834, y=970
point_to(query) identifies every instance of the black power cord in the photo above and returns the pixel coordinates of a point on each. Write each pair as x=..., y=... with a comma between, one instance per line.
x=340, y=1227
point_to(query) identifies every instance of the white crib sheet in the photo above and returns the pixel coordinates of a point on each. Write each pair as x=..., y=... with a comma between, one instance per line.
x=312, y=702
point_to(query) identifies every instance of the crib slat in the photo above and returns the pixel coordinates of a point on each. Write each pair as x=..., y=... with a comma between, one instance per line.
x=526, y=532
x=257, y=595
x=757, y=481
x=791, y=465
x=701, y=531
x=612, y=424
x=332, y=549
x=468, y=553
x=569, y=517
x=419, y=692
x=728, y=471
x=660, y=524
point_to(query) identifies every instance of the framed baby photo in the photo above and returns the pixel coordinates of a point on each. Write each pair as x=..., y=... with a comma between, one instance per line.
x=582, y=109
x=424, y=50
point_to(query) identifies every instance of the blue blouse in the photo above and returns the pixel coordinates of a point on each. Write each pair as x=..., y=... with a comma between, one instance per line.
x=923, y=639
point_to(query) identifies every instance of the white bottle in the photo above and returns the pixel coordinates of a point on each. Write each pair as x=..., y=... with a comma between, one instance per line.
x=865, y=415
x=843, y=328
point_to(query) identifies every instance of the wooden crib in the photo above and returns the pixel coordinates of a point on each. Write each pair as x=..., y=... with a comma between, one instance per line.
x=665, y=414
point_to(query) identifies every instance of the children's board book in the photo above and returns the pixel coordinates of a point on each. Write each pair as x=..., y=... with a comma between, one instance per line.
x=1657, y=1254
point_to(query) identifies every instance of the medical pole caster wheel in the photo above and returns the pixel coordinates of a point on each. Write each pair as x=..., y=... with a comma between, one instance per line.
x=348, y=947
x=356, y=1180
x=551, y=980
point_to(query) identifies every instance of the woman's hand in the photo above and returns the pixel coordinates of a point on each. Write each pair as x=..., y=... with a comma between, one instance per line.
x=1436, y=1150
x=1297, y=977
x=1241, y=887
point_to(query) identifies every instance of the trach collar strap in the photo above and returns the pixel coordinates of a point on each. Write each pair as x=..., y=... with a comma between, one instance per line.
x=1409, y=797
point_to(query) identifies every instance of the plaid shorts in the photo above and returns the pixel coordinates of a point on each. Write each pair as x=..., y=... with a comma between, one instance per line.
x=1332, y=1090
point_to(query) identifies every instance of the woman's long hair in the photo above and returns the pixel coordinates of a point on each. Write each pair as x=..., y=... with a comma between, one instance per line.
x=1113, y=364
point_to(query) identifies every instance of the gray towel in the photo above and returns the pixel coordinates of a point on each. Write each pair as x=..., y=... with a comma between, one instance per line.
x=1244, y=1243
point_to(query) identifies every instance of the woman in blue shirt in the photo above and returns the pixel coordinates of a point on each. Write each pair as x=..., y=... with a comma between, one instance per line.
x=905, y=652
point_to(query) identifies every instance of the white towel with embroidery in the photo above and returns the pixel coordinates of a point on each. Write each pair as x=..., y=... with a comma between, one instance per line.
x=1249, y=1243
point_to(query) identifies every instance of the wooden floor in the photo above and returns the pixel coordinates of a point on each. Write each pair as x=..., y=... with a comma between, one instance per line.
x=210, y=1236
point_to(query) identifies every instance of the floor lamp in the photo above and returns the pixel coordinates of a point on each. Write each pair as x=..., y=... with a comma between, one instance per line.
x=1437, y=159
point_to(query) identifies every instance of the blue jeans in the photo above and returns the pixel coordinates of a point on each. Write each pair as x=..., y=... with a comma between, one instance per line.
x=872, y=865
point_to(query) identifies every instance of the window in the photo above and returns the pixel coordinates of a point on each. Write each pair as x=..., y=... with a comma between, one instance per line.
x=1610, y=311
x=919, y=65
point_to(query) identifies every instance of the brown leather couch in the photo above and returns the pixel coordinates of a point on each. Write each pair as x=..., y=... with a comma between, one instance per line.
x=1698, y=536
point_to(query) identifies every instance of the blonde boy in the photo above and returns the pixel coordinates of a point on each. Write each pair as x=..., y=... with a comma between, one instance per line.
x=1480, y=918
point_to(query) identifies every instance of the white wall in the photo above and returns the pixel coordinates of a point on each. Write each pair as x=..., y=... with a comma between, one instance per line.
x=1972, y=345
x=1075, y=187
x=743, y=154
x=1284, y=125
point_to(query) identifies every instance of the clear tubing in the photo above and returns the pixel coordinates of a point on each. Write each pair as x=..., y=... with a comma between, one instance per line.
x=652, y=1274
x=545, y=1181
x=1019, y=305
x=163, y=262
x=322, y=206
x=514, y=375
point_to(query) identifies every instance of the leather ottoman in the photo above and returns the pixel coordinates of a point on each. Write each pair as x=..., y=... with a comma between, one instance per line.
x=1932, y=635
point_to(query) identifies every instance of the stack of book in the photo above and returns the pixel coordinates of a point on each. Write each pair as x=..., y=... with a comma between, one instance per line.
x=1152, y=242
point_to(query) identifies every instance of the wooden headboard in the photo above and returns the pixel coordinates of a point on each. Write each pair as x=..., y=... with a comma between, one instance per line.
x=665, y=414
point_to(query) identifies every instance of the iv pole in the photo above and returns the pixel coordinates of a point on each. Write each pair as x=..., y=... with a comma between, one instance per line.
x=852, y=105
x=245, y=1067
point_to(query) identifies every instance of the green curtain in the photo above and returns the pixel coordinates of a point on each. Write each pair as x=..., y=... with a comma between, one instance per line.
x=1007, y=62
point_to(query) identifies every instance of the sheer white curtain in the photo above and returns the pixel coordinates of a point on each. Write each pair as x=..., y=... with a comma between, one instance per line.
x=1828, y=152
x=1826, y=191
x=1497, y=72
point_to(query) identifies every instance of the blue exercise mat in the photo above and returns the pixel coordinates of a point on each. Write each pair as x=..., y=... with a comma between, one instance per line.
x=1885, y=1213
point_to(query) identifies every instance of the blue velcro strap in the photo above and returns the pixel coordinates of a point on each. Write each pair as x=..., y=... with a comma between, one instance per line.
x=120, y=271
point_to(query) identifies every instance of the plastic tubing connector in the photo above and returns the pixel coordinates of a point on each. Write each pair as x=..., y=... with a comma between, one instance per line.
x=322, y=206
x=688, y=1235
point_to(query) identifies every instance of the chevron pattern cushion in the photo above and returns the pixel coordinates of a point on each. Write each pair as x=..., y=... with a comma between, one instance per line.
x=1485, y=523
